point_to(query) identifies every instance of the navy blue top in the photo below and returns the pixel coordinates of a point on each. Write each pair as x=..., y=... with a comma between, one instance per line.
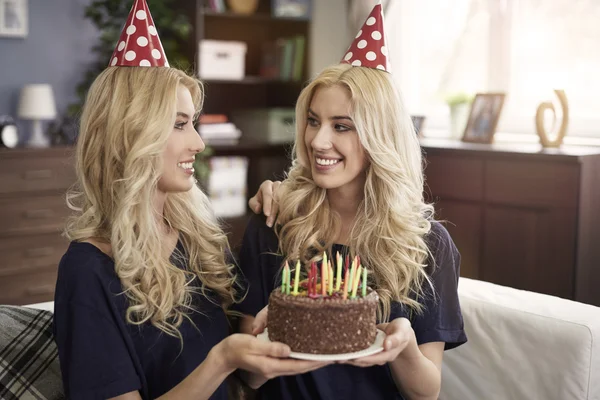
x=441, y=320
x=102, y=356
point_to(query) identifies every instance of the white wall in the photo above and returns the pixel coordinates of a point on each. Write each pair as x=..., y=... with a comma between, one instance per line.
x=329, y=35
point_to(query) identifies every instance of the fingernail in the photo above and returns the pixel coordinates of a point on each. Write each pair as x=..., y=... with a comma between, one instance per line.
x=389, y=343
x=270, y=224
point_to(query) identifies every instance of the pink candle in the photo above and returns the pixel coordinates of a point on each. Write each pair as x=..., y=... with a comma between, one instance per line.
x=323, y=279
x=346, y=277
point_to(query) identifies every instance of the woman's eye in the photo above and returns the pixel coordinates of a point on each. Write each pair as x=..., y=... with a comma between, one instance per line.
x=180, y=125
x=341, y=128
x=312, y=122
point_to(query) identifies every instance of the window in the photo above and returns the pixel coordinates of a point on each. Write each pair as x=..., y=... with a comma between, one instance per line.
x=525, y=48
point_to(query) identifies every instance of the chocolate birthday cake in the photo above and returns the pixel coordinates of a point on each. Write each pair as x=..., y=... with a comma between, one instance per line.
x=331, y=318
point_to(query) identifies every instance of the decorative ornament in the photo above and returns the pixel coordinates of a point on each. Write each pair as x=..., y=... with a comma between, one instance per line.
x=557, y=132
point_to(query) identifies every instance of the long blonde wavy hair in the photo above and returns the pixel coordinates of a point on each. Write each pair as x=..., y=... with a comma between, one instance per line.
x=392, y=220
x=128, y=116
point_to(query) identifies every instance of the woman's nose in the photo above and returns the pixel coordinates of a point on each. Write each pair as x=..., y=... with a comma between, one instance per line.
x=322, y=140
x=198, y=145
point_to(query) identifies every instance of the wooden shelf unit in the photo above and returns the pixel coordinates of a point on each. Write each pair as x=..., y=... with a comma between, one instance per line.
x=520, y=215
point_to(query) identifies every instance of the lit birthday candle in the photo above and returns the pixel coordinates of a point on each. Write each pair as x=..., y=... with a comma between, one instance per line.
x=364, y=283
x=355, y=281
x=296, y=277
x=330, y=281
x=338, y=277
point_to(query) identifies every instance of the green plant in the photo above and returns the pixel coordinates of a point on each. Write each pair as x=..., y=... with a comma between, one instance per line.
x=109, y=16
x=202, y=168
x=454, y=99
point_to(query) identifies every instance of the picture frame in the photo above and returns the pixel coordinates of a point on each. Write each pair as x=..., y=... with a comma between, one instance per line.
x=14, y=18
x=418, y=122
x=483, y=117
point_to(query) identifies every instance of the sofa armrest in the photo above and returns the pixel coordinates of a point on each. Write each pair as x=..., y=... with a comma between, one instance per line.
x=523, y=345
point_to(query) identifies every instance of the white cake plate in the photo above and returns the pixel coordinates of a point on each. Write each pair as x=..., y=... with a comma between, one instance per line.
x=376, y=347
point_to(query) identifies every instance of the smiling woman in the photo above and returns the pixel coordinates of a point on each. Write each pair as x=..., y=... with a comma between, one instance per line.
x=147, y=284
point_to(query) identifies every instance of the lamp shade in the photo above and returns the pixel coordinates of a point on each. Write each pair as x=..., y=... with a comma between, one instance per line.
x=37, y=102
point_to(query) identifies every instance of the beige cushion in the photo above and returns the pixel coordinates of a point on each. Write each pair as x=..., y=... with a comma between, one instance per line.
x=523, y=345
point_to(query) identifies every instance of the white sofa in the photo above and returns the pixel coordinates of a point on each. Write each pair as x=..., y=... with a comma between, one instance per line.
x=523, y=346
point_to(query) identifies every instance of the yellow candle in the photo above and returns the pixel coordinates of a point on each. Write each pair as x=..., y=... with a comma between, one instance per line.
x=352, y=270
x=338, y=280
x=296, y=277
x=325, y=264
x=330, y=281
x=355, y=281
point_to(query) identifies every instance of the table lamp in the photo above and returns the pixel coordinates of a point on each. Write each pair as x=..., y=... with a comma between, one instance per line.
x=37, y=104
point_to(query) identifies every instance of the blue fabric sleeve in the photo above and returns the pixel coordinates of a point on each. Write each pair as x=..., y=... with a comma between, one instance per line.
x=441, y=319
x=95, y=362
x=259, y=241
x=95, y=357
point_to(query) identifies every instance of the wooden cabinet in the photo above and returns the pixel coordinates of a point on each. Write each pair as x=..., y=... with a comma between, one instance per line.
x=521, y=216
x=32, y=214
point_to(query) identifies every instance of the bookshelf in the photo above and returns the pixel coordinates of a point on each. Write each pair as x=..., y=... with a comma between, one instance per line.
x=266, y=161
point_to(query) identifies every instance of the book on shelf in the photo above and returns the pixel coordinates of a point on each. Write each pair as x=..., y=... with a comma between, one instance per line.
x=283, y=58
x=212, y=118
x=215, y=5
x=227, y=185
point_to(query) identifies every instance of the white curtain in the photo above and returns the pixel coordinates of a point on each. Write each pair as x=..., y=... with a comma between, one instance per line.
x=525, y=48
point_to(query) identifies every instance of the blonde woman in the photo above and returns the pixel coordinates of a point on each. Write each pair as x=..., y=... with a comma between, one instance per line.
x=146, y=285
x=355, y=187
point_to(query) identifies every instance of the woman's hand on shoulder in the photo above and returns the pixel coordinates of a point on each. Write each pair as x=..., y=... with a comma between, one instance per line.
x=399, y=336
x=266, y=200
x=266, y=359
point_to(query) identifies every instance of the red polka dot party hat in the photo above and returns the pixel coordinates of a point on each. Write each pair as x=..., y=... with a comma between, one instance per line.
x=139, y=44
x=369, y=47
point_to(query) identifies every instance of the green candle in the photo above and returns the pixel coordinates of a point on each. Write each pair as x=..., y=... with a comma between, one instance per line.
x=364, y=283
x=352, y=271
x=296, y=277
x=283, y=279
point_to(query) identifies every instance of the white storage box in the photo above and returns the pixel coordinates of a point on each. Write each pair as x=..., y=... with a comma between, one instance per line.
x=227, y=186
x=273, y=125
x=222, y=59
